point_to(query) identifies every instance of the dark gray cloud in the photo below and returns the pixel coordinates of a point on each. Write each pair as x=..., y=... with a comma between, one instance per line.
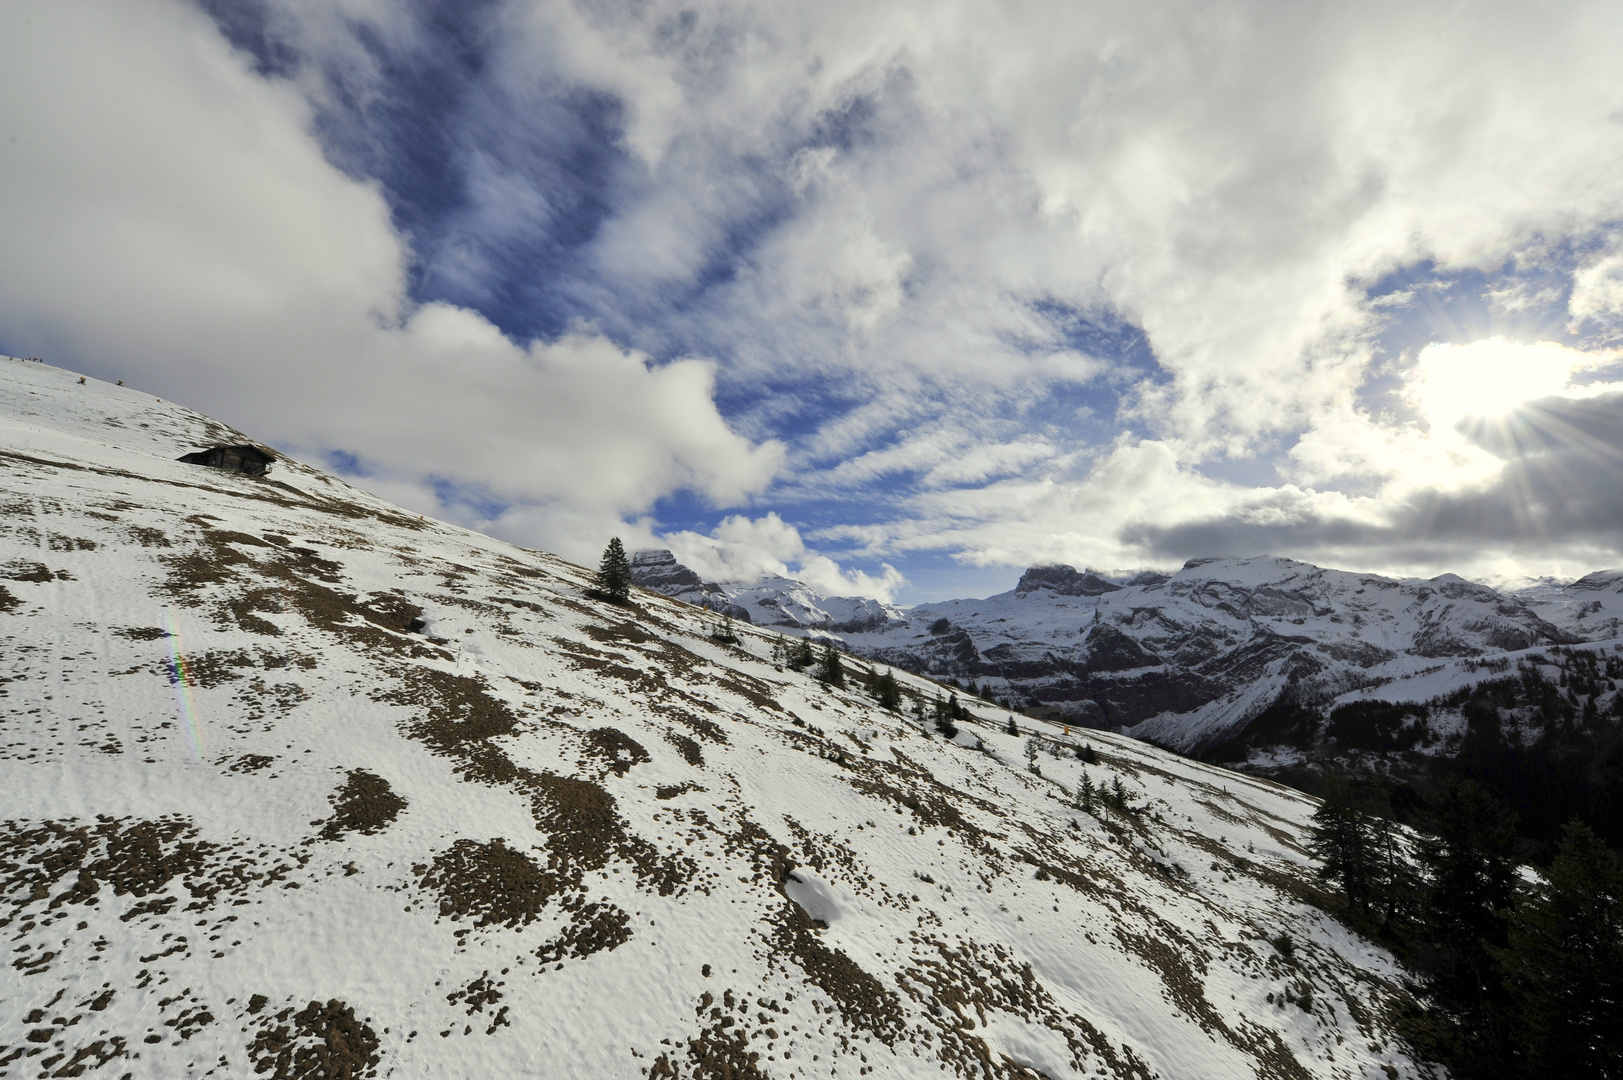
x=1560, y=494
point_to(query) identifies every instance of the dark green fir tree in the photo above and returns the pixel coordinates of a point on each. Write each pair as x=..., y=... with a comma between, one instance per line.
x=830, y=671
x=887, y=693
x=1343, y=842
x=614, y=573
x=1470, y=876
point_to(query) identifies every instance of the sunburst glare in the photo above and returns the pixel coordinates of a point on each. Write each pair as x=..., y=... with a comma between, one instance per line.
x=1491, y=377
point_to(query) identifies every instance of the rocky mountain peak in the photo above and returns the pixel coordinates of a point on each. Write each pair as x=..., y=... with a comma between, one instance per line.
x=1065, y=581
x=658, y=569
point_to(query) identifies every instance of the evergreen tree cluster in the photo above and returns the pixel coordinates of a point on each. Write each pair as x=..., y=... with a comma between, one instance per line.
x=1521, y=980
x=799, y=656
x=883, y=689
x=830, y=669
x=723, y=631
x=1543, y=733
x=983, y=692
x=1111, y=796
x=946, y=715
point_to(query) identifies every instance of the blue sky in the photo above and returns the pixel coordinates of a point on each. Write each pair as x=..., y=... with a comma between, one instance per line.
x=898, y=297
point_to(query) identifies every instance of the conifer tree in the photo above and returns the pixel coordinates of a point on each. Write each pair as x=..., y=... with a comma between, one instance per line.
x=944, y=716
x=724, y=630
x=888, y=694
x=1085, y=794
x=1470, y=876
x=1012, y=729
x=1343, y=844
x=614, y=573
x=800, y=656
x=830, y=672
x=1394, y=887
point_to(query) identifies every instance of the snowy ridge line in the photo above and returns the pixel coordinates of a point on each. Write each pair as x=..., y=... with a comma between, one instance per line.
x=257, y=824
x=1187, y=659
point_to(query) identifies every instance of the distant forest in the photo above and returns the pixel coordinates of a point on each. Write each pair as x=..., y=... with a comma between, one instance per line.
x=1490, y=868
x=1550, y=750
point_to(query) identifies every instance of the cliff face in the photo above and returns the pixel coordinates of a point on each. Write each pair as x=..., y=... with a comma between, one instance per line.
x=659, y=571
x=300, y=784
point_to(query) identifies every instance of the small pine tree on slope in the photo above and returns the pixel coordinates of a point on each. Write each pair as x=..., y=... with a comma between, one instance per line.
x=1470, y=877
x=1343, y=843
x=829, y=669
x=887, y=692
x=614, y=573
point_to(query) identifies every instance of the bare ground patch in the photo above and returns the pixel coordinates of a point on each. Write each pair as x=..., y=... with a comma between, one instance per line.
x=490, y=883
x=318, y=1042
x=365, y=805
x=57, y=863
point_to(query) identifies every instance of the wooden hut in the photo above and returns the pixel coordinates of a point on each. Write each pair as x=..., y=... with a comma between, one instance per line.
x=248, y=460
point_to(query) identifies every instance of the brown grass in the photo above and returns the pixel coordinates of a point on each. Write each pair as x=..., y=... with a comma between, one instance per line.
x=365, y=804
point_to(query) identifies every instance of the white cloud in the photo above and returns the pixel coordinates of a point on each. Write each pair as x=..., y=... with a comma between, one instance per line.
x=739, y=549
x=1488, y=378
x=170, y=220
x=1220, y=173
x=1456, y=391
x=747, y=549
x=825, y=576
x=1597, y=289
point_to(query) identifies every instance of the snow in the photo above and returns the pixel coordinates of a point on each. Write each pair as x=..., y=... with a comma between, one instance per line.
x=589, y=870
x=816, y=897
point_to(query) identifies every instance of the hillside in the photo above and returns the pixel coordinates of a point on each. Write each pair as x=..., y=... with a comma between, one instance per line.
x=298, y=784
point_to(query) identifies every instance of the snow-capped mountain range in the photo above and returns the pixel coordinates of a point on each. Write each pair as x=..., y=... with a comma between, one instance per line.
x=1187, y=658
x=298, y=784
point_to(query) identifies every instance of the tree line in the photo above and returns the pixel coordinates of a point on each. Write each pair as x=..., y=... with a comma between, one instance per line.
x=1520, y=973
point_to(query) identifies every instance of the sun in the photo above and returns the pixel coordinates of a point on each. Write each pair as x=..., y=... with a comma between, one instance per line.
x=1490, y=378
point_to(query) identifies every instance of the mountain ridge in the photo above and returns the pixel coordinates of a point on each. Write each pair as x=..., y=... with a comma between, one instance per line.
x=1187, y=658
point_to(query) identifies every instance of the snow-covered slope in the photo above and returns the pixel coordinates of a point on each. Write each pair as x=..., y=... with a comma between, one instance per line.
x=256, y=825
x=1590, y=608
